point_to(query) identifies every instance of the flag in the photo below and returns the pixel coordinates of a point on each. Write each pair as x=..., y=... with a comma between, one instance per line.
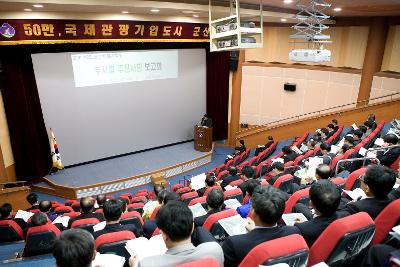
x=55, y=154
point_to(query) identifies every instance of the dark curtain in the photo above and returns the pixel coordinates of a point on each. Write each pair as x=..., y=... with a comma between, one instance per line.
x=29, y=140
x=28, y=134
x=218, y=92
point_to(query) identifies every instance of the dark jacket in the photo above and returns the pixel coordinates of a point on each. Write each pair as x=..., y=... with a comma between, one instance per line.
x=372, y=206
x=227, y=180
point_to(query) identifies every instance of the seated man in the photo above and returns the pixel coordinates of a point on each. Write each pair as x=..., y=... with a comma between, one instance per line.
x=277, y=170
x=389, y=156
x=150, y=206
x=87, y=209
x=288, y=154
x=267, y=208
x=335, y=124
x=325, y=153
x=245, y=209
x=175, y=221
x=209, y=182
x=331, y=130
x=260, y=149
x=233, y=176
x=323, y=171
x=100, y=199
x=357, y=136
x=32, y=199
x=324, y=134
x=215, y=201
x=6, y=214
x=113, y=210
x=38, y=219
x=247, y=174
x=324, y=199
x=377, y=183
x=74, y=248
x=349, y=140
x=46, y=207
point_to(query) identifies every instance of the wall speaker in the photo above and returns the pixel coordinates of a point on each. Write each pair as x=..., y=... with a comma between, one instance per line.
x=289, y=87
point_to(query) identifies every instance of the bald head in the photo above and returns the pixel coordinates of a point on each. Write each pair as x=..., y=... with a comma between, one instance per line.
x=323, y=171
x=87, y=204
x=45, y=206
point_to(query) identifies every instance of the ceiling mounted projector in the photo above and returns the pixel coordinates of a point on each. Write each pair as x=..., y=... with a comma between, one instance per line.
x=310, y=55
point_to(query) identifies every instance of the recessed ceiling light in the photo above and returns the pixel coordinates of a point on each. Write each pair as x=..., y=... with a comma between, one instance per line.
x=27, y=9
x=337, y=9
x=124, y=12
x=287, y=1
x=283, y=20
x=155, y=10
x=195, y=16
x=38, y=5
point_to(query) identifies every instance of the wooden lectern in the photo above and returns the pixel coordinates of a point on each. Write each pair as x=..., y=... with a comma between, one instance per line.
x=202, y=138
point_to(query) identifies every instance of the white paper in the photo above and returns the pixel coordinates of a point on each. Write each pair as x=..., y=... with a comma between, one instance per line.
x=25, y=215
x=197, y=210
x=362, y=151
x=295, y=149
x=379, y=142
x=275, y=265
x=229, y=187
x=354, y=126
x=234, y=225
x=303, y=148
x=197, y=182
x=396, y=186
x=291, y=218
x=260, y=146
x=232, y=203
x=99, y=226
x=395, y=232
x=229, y=157
x=143, y=247
x=278, y=160
x=63, y=220
x=321, y=264
x=108, y=260
x=334, y=149
x=356, y=194
x=341, y=143
x=371, y=154
x=313, y=163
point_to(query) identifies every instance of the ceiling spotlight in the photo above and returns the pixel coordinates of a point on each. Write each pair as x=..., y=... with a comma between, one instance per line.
x=195, y=16
x=283, y=20
x=38, y=5
x=337, y=9
x=155, y=10
x=124, y=12
x=287, y=1
x=27, y=9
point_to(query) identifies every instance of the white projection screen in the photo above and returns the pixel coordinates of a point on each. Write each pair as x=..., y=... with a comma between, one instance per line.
x=120, y=101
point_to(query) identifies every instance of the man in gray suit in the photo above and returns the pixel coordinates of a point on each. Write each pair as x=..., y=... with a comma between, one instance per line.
x=175, y=221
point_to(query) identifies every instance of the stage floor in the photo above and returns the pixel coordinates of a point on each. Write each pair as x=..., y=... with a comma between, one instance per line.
x=126, y=166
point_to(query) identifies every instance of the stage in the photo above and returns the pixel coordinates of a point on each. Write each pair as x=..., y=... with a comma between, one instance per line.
x=123, y=172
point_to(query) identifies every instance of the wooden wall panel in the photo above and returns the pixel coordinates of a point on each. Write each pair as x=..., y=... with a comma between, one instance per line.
x=391, y=58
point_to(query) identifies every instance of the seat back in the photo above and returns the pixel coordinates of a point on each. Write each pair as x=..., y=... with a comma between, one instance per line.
x=298, y=159
x=236, y=182
x=386, y=220
x=211, y=188
x=72, y=214
x=137, y=199
x=86, y=224
x=136, y=207
x=132, y=217
x=291, y=249
x=114, y=243
x=335, y=161
x=212, y=225
x=10, y=231
x=395, y=164
x=201, y=200
x=338, y=181
x=347, y=154
x=298, y=196
x=176, y=187
x=222, y=175
x=183, y=190
x=343, y=240
x=200, y=263
x=352, y=178
x=283, y=182
x=187, y=197
x=234, y=193
x=154, y=214
x=69, y=202
x=63, y=209
x=76, y=206
x=39, y=239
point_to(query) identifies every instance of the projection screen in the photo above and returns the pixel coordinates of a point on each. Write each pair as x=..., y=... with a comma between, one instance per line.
x=104, y=104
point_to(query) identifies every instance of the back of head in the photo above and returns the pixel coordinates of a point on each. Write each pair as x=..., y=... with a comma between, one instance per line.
x=368, y=124
x=325, y=197
x=44, y=206
x=241, y=142
x=232, y=170
x=312, y=143
x=248, y=171
x=331, y=126
x=270, y=138
x=325, y=147
x=251, y=185
x=113, y=209
x=101, y=199
x=278, y=166
x=215, y=198
x=32, y=198
x=286, y=150
x=268, y=203
x=125, y=203
x=323, y=171
x=171, y=196
x=175, y=220
x=5, y=210
x=363, y=128
x=74, y=248
x=325, y=131
x=380, y=180
x=335, y=122
x=210, y=180
x=391, y=139
x=371, y=117
x=358, y=133
x=158, y=188
x=161, y=195
x=87, y=204
x=345, y=147
x=39, y=219
x=349, y=139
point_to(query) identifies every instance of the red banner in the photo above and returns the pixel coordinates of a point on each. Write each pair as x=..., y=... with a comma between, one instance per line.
x=88, y=31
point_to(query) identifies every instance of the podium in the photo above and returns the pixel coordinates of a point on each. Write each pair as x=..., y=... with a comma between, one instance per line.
x=202, y=138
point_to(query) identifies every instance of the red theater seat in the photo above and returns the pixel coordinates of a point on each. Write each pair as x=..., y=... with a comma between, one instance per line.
x=128, y=195
x=222, y=175
x=183, y=190
x=343, y=240
x=301, y=196
x=211, y=188
x=386, y=220
x=395, y=164
x=142, y=199
x=114, y=243
x=132, y=217
x=187, y=197
x=338, y=181
x=10, y=231
x=136, y=207
x=298, y=159
x=176, y=187
x=142, y=193
x=69, y=202
x=291, y=250
x=86, y=224
x=99, y=211
x=236, y=182
x=63, y=209
x=336, y=160
x=39, y=239
x=154, y=214
x=352, y=178
x=72, y=214
x=283, y=182
x=201, y=200
x=234, y=193
x=76, y=206
x=200, y=263
x=212, y=225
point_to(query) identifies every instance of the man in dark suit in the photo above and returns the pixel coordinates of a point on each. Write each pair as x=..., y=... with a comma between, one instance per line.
x=268, y=205
x=260, y=149
x=324, y=152
x=87, y=207
x=113, y=210
x=233, y=176
x=277, y=170
x=100, y=200
x=32, y=199
x=335, y=124
x=288, y=154
x=390, y=155
x=377, y=183
x=6, y=214
x=206, y=121
x=215, y=201
x=331, y=130
x=247, y=175
x=357, y=136
x=324, y=199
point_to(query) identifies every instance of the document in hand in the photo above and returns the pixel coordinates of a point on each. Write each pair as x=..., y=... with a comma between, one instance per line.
x=296, y=149
x=63, y=220
x=362, y=151
x=234, y=225
x=303, y=148
x=232, y=203
x=356, y=194
x=396, y=232
x=379, y=142
x=334, y=149
x=228, y=187
x=99, y=226
x=197, y=210
x=108, y=260
x=371, y=154
x=24, y=215
x=143, y=247
x=278, y=160
x=354, y=126
x=198, y=181
x=291, y=218
x=313, y=164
